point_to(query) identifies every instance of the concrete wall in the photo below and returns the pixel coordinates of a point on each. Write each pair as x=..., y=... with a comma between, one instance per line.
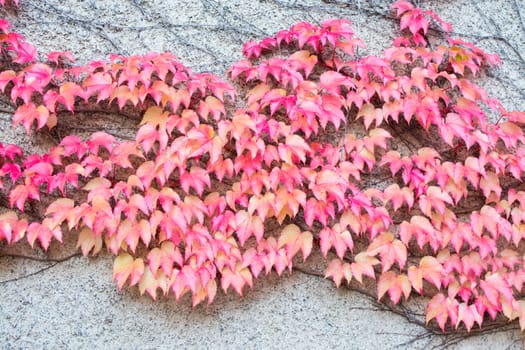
x=74, y=304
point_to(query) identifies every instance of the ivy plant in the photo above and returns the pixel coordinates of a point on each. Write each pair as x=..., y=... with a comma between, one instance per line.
x=229, y=179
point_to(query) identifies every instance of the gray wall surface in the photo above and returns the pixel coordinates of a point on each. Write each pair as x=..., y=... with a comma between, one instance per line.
x=73, y=304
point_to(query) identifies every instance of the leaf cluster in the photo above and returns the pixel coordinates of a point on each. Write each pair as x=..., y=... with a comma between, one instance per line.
x=216, y=189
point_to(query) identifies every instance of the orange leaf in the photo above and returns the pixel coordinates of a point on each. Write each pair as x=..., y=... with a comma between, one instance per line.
x=125, y=267
x=395, y=285
x=363, y=265
x=338, y=270
x=87, y=241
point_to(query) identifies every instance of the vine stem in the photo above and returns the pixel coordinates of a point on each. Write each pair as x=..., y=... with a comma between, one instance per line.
x=54, y=262
x=450, y=336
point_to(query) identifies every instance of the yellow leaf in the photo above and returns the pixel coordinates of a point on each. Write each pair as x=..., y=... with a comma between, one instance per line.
x=211, y=290
x=122, y=267
x=87, y=241
x=155, y=116
x=52, y=121
x=96, y=183
x=348, y=219
x=137, y=271
x=386, y=280
x=257, y=93
x=289, y=234
x=149, y=284
x=306, y=244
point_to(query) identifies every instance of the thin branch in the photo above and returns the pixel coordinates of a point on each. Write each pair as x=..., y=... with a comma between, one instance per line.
x=499, y=35
x=55, y=263
x=452, y=336
x=518, y=11
x=36, y=258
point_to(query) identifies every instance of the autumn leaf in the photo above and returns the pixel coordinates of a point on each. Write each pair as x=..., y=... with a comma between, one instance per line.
x=396, y=285
x=43, y=232
x=335, y=237
x=468, y=314
x=248, y=225
x=442, y=309
x=363, y=265
x=12, y=229
x=88, y=241
x=59, y=210
x=293, y=240
x=321, y=142
x=303, y=60
x=389, y=249
x=429, y=269
x=237, y=278
x=155, y=116
x=337, y=270
x=21, y=193
x=164, y=258
x=124, y=267
x=399, y=196
x=28, y=113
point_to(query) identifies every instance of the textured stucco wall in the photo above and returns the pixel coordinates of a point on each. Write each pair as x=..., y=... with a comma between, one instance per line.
x=74, y=304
